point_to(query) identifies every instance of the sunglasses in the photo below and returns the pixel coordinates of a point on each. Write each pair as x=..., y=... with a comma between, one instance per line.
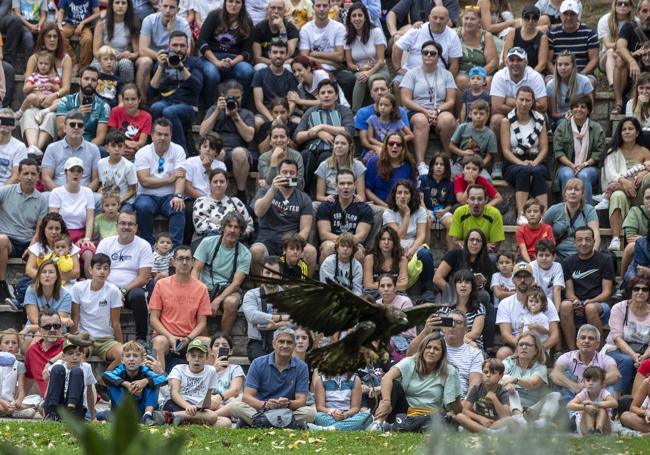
x=76, y=125
x=430, y=53
x=530, y=17
x=51, y=326
x=161, y=165
x=622, y=4
x=394, y=144
x=524, y=344
x=640, y=289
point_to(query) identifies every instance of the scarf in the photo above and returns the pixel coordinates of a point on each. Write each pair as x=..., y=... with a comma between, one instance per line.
x=524, y=144
x=580, y=141
x=322, y=117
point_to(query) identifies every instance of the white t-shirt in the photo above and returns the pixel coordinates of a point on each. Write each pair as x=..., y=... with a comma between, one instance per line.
x=499, y=280
x=538, y=319
x=419, y=217
x=467, y=359
x=195, y=173
x=195, y=386
x=147, y=159
x=11, y=153
x=546, y=279
x=204, y=7
x=504, y=87
x=429, y=89
x=95, y=307
x=89, y=378
x=126, y=260
x=256, y=9
x=411, y=43
x=326, y=39
x=366, y=54
x=117, y=177
x=320, y=75
x=225, y=378
x=72, y=206
x=512, y=312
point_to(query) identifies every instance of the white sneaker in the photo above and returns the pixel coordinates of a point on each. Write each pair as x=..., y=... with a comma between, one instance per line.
x=34, y=151
x=423, y=169
x=598, y=197
x=602, y=205
x=497, y=170
x=521, y=220
x=615, y=244
x=27, y=413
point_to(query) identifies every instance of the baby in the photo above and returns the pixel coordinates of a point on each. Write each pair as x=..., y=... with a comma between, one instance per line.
x=534, y=320
x=61, y=255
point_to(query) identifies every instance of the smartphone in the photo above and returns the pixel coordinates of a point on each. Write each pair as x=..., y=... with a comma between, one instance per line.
x=293, y=181
x=87, y=100
x=223, y=352
x=446, y=322
x=7, y=121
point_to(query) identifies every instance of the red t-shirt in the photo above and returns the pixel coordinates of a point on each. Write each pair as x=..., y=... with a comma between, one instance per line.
x=644, y=368
x=460, y=185
x=529, y=237
x=132, y=125
x=35, y=360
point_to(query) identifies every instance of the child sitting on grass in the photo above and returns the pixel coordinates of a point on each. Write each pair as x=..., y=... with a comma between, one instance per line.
x=12, y=378
x=593, y=405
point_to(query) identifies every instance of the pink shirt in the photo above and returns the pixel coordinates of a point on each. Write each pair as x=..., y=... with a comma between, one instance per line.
x=636, y=330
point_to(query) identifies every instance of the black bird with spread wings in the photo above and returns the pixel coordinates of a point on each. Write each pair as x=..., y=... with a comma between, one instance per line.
x=330, y=308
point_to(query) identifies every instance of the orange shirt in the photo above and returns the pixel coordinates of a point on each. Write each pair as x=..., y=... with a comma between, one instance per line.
x=180, y=305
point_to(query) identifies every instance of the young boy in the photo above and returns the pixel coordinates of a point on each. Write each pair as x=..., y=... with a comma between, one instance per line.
x=476, y=91
x=487, y=402
x=474, y=138
x=548, y=274
x=291, y=262
x=96, y=306
x=502, y=285
x=533, y=231
x=108, y=84
x=162, y=254
x=472, y=167
x=71, y=384
x=191, y=389
x=116, y=173
x=592, y=406
x=134, y=378
x=74, y=17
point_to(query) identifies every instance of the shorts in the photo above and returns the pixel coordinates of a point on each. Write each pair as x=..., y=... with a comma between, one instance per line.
x=437, y=219
x=102, y=346
x=172, y=407
x=605, y=310
x=78, y=234
x=18, y=248
x=252, y=158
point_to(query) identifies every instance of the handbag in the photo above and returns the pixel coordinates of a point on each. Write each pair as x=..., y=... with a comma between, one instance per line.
x=275, y=418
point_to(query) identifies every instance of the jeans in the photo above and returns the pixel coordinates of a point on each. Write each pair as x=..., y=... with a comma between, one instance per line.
x=55, y=395
x=28, y=41
x=255, y=349
x=136, y=301
x=242, y=72
x=526, y=179
x=426, y=277
x=12, y=28
x=590, y=176
x=147, y=206
x=149, y=397
x=625, y=365
x=180, y=114
x=10, y=81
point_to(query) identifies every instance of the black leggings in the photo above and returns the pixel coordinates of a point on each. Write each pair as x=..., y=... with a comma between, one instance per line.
x=136, y=301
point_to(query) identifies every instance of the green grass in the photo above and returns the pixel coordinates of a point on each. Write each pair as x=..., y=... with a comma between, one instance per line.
x=53, y=438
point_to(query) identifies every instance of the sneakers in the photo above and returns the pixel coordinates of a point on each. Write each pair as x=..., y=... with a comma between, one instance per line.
x=602, y=205
x=377, y=427
x=615, y=244
x=27, y=413
x=497, y=170
x=166, y=418
x=423, y=169
x=5, y=292
x=521, y=220
x=598, y=197
x=148, y=419
x=34, y=152
x=313, y=427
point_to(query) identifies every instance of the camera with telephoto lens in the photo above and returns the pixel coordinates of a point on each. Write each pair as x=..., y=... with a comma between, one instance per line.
x=231, y=103
x=173, y=59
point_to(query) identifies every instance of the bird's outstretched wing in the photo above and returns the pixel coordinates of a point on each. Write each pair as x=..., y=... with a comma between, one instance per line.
x=348, y=354
x=416, y=315
x=323, y=307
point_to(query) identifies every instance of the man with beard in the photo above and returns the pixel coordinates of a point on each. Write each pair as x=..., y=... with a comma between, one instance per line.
x=277, y=26
x=631, y=46
x=40, y=354
x=511, y=310
x=261, y=318
x=222, y=263
x=178, y=80
x=476, y=214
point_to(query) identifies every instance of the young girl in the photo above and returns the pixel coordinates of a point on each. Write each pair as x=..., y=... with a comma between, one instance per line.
x=534, y=319
x=567, y=82
x=338, y=403
x=437, y=189
x=230, y=379
x=387, y=120
x=40, y=84
x=12, y=378
x=593, y=404
x=502, y=285
x=342, y=158
x=341, y=266
x=106, y=222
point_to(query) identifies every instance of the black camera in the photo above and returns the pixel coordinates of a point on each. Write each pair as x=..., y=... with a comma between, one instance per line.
x=231, y=103
x=173, y=59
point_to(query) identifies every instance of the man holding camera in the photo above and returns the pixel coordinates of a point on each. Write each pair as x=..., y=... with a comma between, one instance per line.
x=222, y=263
x=236, y=126
x=178, y=80
x=282, y=209
x=95, y=110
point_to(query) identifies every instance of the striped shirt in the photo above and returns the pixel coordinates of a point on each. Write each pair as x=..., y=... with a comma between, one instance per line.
x=467, y=359
x=469, y=319
x=578, y=43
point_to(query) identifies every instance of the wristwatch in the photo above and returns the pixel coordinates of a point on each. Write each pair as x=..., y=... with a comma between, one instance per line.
x=179, y=195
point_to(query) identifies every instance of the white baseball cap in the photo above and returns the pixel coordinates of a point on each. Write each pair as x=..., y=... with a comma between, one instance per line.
x=73, y=162
x=570, y=5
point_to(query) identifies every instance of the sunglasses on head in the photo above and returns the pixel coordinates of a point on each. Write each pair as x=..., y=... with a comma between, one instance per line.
x=51, y=326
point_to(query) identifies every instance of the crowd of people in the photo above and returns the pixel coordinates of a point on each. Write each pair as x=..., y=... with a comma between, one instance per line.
x=333, y=105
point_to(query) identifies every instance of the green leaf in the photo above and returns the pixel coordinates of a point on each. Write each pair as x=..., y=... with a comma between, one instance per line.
x=6, y=449
x=125, y=426
x=89, y=439
x=173, y=445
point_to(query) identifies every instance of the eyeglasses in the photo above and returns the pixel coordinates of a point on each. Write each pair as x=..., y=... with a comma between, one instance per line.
x=458, y=322
x=523, y=344
x=183, y=259
x=51, y=326
x=430, y=53
x=394, y=144
x=531, y=17
x=161, y=164
x=126, y=224
x=76, y=125
x=640, y=289
x=623, y=4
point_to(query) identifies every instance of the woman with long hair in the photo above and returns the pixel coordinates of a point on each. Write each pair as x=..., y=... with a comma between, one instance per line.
x=609, y=26
x=226, y=46
x=230, y=378
x=342, y=158
x=497, y=18
x=49, y=230
x=386, y=257
x=564, y=86
x=467, y=300
x=638, y=106
x=478, y=48
x=120, y=30
x=309, y=74
x=130, y=118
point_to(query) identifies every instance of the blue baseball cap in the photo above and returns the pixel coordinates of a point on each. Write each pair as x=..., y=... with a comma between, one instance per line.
x=477, y=71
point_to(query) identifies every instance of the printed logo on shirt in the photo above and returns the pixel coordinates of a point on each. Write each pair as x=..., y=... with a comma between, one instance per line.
x=577, y=275
x=102, y=303
x=119, y=257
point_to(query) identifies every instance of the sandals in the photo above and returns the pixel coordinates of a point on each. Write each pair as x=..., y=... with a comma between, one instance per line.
x=617, y=110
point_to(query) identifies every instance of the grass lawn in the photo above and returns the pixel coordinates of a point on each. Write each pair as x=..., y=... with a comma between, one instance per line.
x=53, y=438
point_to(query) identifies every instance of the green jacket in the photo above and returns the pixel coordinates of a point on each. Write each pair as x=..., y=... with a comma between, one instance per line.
x=563, y=146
